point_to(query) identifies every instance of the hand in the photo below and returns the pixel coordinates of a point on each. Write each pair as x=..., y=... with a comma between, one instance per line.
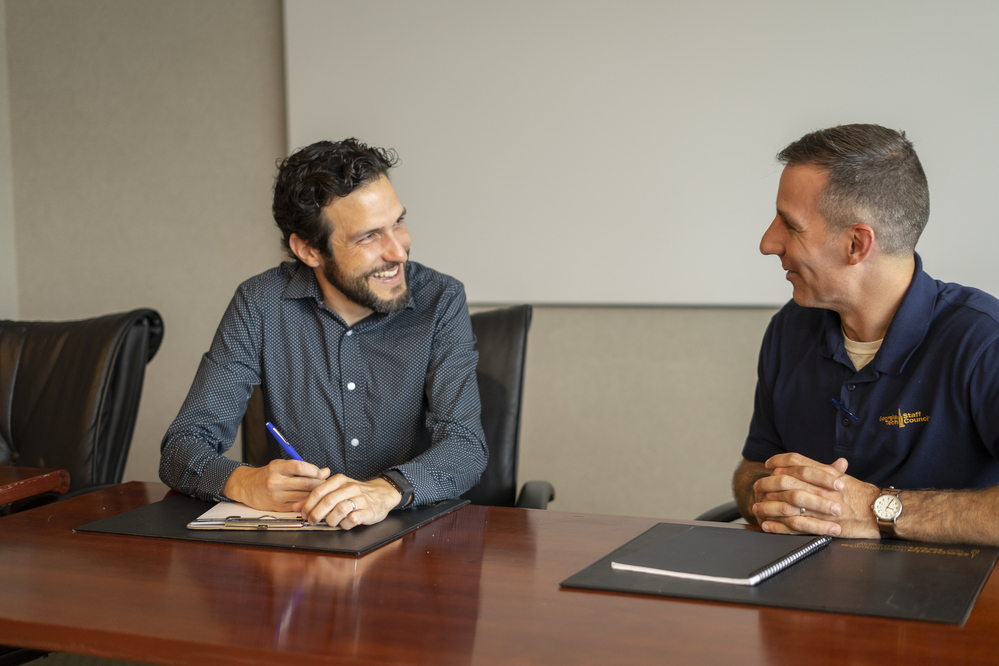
x=345, y=502
x=281, y=485
x=835, y=503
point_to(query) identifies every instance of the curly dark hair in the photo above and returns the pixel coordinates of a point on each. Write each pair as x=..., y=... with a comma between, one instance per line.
x=312, y=177
x=874, y=177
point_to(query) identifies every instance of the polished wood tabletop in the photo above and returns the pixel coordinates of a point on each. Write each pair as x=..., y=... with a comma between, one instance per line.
x=479, y=585
x=17, y=483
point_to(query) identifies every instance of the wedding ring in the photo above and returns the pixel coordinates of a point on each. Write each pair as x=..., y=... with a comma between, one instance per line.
x=353, y=507
x=801, y=514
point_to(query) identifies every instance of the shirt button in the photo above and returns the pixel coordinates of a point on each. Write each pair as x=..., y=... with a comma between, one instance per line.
x=350, y=386
x=350, y=333
x=850, y=387
x=846, y=424
x=354, y=442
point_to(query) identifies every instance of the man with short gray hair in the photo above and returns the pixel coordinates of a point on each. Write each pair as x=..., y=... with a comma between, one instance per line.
x=874, y=366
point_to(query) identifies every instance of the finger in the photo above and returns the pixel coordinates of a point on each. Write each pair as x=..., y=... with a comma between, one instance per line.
x=329, y=502
x=789, y=460
x=356, y=516
x=296, y=468
x=331, y=485
x=802, y=525
x=811, y=502
x=823, y=476
x=783, y=482
x=776, y=527
x=840, y=465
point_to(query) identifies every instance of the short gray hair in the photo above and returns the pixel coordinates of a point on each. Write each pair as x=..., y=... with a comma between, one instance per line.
x=875, y=178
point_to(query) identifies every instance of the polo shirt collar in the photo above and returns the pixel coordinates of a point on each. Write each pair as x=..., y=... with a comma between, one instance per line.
x=905, y=333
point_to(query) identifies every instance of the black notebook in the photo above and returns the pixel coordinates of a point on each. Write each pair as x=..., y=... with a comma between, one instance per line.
x=720, y=555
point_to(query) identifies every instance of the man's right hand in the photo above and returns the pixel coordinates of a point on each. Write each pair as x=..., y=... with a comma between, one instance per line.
x=281, y=485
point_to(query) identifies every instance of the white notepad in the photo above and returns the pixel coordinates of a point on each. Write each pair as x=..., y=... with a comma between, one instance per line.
x=237, y=516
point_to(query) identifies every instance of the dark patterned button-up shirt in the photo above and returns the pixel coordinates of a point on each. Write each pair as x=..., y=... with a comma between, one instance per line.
x=393, y=391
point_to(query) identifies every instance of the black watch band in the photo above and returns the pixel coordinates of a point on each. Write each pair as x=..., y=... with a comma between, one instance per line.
x=400, y=483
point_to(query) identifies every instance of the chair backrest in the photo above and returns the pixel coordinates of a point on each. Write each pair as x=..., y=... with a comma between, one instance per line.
x=502, y=343
x=69, y=392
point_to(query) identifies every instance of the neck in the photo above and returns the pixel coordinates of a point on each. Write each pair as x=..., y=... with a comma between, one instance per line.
x=876, y=297
x=333, y=298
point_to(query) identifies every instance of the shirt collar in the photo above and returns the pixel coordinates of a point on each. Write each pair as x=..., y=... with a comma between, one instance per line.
x=303, y=284
x=906, y=331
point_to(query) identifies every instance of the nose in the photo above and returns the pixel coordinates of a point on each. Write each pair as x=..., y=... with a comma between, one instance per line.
x=396, y=248
x=770, y=243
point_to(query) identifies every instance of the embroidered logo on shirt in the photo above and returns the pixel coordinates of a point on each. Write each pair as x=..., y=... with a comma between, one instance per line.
x=903, y=419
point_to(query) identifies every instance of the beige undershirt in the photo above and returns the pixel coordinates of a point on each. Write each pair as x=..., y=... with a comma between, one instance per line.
x=860, y=353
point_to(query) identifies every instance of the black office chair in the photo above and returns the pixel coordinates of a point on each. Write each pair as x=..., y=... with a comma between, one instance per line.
x=502, y=345
x=69, y=393
x=723, y=513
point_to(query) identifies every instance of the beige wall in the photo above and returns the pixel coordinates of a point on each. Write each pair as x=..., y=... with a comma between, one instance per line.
x=8, y=254
x=144, y=138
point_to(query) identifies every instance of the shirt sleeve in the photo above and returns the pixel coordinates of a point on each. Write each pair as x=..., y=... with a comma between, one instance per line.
x=458, y=454
x=984, y=393
x=763, y=441
x=191, y=459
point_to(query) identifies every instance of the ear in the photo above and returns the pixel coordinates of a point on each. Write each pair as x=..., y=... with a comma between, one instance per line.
x=309, y=255
x=861, y=237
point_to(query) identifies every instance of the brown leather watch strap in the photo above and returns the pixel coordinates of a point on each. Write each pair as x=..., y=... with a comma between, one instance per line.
x=887, y=527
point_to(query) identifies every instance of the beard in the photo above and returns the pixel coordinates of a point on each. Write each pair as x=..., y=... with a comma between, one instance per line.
x=356, y=288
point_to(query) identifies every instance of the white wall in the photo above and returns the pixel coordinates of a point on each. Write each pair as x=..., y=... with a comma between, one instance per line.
x=589, y=151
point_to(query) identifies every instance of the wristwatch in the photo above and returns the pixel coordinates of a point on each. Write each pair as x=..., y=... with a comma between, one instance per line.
x=401, y=484
x=887, y=508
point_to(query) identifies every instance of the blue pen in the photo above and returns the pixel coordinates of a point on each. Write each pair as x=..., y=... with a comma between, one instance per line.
x=846, y=411
x=283, y=442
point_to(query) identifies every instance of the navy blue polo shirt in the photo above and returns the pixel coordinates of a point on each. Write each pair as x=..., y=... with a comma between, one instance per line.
x=927, y=405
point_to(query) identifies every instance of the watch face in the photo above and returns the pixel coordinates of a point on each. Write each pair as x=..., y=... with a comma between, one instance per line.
x=887, y=507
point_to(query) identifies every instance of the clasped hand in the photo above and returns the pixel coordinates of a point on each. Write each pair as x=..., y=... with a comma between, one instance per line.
x=292, y=485
x=834, y=502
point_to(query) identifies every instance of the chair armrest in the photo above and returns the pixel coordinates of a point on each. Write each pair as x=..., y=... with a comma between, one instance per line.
x=17, y=483
x=723, y=513
x=536, y=495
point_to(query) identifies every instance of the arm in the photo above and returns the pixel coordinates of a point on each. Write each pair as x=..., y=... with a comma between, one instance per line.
x=458, y=454
x=192, y=460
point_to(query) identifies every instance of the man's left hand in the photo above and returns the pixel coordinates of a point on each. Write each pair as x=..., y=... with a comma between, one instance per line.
x=343, y=501
x=834, y=502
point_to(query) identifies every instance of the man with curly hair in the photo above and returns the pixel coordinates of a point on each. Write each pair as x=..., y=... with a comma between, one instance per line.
x=365, y=359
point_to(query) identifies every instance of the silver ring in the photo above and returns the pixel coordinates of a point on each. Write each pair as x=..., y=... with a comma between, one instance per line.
x=800, y=514
x=353, y=507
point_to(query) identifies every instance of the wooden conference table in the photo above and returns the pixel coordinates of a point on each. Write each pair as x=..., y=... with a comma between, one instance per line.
x=479, y=585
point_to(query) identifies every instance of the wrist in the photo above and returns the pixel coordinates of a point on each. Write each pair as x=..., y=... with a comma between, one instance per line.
x=233, y=485
x=401, y=485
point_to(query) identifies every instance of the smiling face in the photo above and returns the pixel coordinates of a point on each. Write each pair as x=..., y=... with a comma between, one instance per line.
x=812, y=257
x=365, y=268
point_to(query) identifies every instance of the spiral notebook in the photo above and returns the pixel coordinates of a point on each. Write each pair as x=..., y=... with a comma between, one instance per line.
x=720, y=555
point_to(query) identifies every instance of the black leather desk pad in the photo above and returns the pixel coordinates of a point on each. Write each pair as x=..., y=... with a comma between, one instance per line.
x=895, y=579
x=168, y=519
